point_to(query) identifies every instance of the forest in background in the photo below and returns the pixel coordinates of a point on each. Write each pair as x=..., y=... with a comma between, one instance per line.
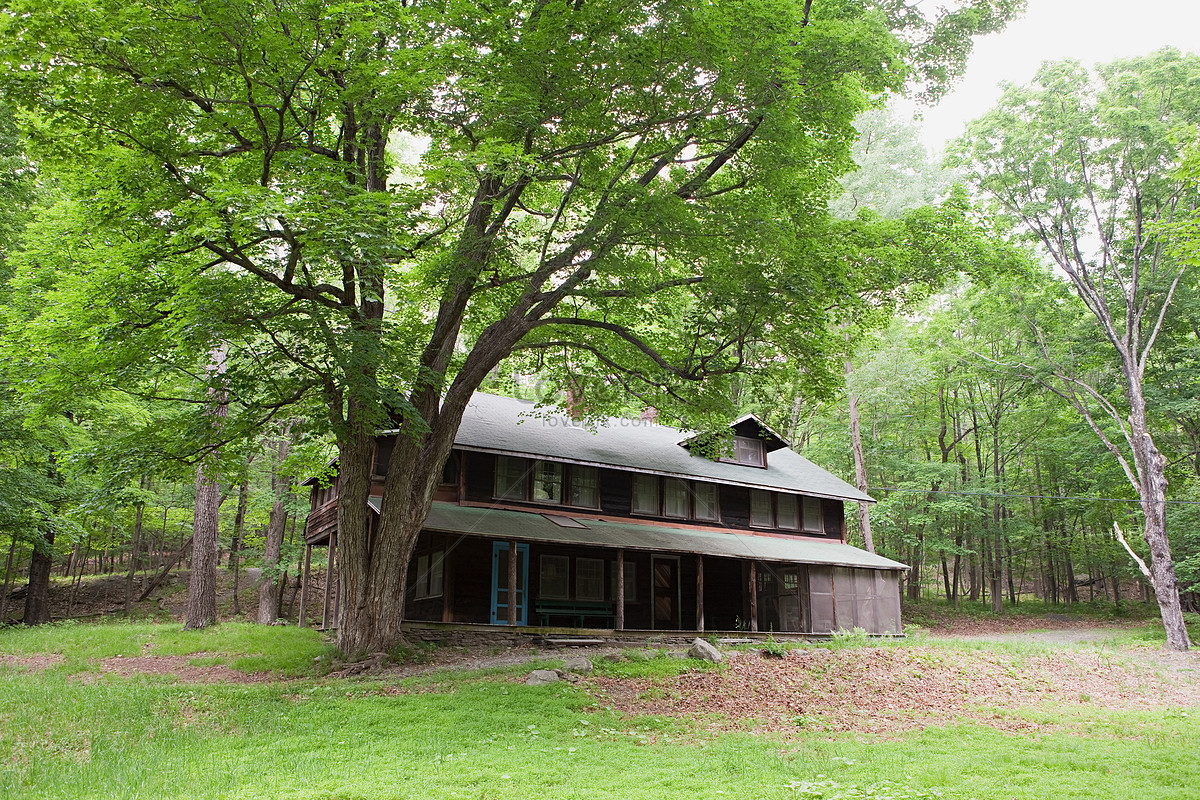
x=991, y=483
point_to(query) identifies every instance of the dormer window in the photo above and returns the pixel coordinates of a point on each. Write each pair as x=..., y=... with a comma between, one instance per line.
x=748, y=451
x=751, y=442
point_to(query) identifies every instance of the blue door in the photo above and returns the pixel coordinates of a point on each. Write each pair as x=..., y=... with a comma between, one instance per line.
x=500, y=583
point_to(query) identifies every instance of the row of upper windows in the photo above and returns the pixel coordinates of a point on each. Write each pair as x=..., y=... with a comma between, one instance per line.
x=786, y=511
x=578, y=486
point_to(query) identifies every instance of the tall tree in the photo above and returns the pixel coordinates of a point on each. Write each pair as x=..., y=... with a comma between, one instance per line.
x=632, y=184
x=1086, y=165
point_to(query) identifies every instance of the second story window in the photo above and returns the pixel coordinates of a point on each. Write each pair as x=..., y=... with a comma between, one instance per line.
x=675, y=498
x=645, y=494
x=549, y=482
x=785, y=511
x=512, y=478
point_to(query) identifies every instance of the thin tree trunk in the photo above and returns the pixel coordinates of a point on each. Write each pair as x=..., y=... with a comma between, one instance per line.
x=269, y=593
x=860, y=463
x=235, y=545
x=133, y=549
x=86, y=550
x=8, y=578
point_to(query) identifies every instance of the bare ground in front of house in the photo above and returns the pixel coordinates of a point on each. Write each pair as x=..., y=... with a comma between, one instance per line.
x=888, y=690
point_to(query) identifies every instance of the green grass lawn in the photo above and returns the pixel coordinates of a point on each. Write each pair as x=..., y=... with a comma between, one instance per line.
x=72, y=731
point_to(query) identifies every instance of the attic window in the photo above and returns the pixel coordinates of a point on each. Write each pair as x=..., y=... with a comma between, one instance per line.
x=749, y=451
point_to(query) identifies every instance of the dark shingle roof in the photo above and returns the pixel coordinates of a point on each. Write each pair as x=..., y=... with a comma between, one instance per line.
x=503, y=425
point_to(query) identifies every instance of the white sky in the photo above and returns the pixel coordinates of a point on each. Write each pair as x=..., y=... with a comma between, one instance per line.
x=1092, y=31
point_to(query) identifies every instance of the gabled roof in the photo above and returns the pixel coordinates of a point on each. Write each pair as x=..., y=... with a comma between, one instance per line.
x=503, y=425
x=749, y=426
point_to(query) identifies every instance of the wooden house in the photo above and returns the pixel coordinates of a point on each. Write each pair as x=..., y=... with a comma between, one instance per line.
x=542, y=521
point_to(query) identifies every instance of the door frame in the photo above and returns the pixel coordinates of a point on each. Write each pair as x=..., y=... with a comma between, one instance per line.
x=522, y=588
x=678, y=621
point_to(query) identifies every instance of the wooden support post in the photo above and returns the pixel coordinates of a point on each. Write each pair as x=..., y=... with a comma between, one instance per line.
x=754, y=596
x=700, y=593
x=302, y=620
x=620, y=590
x=800, y=626
x=337, y=589
x=512, y=583
x=329, y=580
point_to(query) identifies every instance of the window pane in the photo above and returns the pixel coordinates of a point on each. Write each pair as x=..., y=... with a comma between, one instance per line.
x=748, y=451
x=510, y=477
x=760, y=509
x=584, y=487
x=812, y=515
x=645, y=494
x=555, y=580
x=420, y=589
x=589, y=579
x=547, y=481
x=436, y=567
x=786, y=512
x=706, y=500
x=675, y=498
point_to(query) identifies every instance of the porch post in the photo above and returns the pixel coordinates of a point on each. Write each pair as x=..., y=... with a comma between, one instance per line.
x=303, y=621
x=620, y=590
x=754, y=596
x=800, y=626
x=699, y=593
x=512, y=582
x=329, y=579
x=337, y=597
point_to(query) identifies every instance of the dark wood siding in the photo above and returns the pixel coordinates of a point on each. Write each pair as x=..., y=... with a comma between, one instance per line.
x=479, y=480
x=835, y=518
x=735, y=506
x=616, y=492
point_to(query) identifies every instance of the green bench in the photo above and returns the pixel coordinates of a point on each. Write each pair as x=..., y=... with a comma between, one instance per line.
x=578, y=611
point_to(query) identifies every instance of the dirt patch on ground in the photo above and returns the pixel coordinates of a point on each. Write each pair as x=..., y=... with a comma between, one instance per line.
x=179, y=667
x=888, y=690
x=33, y=663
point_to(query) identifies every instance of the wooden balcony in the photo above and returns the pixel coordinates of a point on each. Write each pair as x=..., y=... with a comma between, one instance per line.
x=321, y=523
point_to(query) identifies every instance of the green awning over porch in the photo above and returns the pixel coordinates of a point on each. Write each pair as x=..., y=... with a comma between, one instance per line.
x=530, y=526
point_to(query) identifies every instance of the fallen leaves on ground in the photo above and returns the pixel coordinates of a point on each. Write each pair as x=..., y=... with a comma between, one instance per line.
x=887, y=690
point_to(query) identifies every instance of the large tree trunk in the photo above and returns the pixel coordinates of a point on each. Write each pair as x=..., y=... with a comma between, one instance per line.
x=37, y=598
x=269, y=586
x=202, y=584
x=1151, y=470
